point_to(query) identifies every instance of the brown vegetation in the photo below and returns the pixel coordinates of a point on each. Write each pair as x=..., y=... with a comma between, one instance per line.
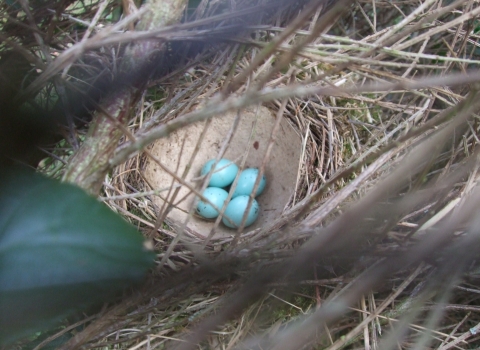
x=377, y=247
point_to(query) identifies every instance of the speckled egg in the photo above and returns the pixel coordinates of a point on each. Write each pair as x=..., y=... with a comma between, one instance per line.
x=235, y=210
x=215, y=195
x=246, y=182
x=224, y=173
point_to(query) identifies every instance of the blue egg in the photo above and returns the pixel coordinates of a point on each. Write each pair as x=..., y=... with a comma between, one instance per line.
x=215, y=195
x=246, y=182
x=224, y=174
x=235, y=210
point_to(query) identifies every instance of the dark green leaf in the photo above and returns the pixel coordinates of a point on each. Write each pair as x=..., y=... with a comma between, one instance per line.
x=60, y=251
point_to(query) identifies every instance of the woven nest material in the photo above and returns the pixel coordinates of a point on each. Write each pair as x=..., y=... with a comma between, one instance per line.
x=373, y=183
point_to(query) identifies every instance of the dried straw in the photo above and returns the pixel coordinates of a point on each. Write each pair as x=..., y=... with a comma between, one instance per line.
x=376, y=249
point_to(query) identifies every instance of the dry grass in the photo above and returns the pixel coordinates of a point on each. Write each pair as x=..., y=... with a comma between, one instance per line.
x=376, y=249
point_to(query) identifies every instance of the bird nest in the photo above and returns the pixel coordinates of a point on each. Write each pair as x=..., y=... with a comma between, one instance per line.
x=368, y=137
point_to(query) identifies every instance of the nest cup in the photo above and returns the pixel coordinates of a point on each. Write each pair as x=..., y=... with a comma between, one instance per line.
x=249, y=143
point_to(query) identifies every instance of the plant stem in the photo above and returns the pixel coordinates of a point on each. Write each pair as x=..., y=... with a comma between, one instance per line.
x=88, y=167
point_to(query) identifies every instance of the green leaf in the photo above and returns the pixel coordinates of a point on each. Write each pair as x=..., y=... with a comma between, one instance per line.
x=60, y=251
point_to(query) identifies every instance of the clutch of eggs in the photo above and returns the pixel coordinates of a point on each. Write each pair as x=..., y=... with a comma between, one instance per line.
x=223, y=175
